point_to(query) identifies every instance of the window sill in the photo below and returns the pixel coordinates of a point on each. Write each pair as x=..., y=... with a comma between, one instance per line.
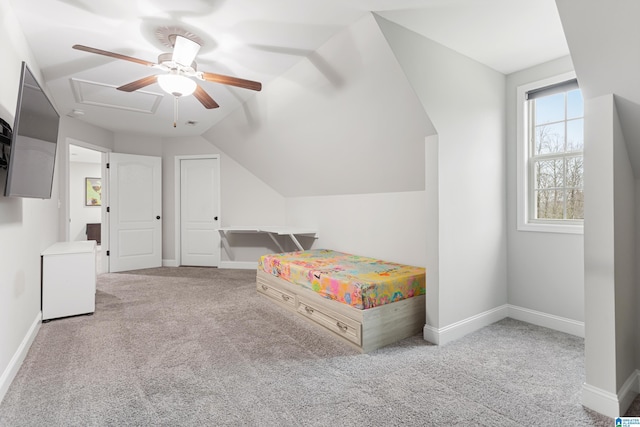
x=552, y=228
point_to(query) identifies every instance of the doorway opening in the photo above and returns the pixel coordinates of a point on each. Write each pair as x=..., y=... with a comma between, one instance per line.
x=86, y=196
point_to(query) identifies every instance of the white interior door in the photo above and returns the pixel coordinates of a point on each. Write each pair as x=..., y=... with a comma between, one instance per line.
x=135, y=206
x=199, y=211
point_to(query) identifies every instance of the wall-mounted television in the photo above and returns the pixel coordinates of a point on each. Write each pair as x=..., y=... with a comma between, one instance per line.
x=32, y=148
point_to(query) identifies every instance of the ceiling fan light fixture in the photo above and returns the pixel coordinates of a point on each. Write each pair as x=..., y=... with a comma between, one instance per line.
x=176, y=85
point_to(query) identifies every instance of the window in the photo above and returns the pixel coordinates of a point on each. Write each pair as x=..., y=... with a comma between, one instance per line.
x=550, y=156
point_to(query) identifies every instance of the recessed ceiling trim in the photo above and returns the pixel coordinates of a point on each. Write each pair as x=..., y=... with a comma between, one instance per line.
x=106, y=95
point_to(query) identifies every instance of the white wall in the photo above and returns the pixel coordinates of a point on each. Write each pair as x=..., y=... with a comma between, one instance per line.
x=137, y=144
x=637, y=236
x=626, y=288
x=389, y=226
x=610, y=259
x=465, y=101
x=244, y=199
x=341, y=136
x=81, y=215
x=27, y=226
x=545, y=270
x=599, y=246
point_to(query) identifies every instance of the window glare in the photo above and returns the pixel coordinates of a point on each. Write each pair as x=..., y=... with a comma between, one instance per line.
x=549, y=108
x=575, y=104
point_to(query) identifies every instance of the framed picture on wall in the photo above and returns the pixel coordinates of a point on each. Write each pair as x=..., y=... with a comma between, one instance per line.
x=93, y=191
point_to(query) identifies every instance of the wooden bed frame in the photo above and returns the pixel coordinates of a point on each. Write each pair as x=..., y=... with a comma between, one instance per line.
x=365, y=330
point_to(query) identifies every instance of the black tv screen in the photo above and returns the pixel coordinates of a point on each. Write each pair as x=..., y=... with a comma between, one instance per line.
x=33, y=144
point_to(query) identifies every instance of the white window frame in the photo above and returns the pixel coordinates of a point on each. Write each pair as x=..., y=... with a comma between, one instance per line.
x=525, y=222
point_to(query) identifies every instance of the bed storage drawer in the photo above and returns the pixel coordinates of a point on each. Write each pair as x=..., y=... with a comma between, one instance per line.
x=336, y=323
x=283, y=297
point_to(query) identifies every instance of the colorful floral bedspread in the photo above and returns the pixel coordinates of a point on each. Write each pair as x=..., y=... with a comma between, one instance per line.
x=358, y=281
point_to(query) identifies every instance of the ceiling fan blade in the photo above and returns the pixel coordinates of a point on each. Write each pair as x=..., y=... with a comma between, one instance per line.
x=232, y=81
x=113, y=55
x=139, y=84
x=184, y=51
x=204, y=98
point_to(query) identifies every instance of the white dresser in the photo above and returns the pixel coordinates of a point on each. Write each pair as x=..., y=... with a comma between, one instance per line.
x=68, y=279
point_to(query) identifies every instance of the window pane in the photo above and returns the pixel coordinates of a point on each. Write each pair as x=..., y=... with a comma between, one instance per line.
x=548, y=173
x=549, y=204
x=575, y=104
x=549, y=139
x=575, y=204
x=575, y=135
x=575, y=172
x=554, y=148
x=549, y=108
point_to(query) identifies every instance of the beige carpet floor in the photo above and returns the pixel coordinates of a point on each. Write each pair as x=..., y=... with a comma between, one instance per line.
x=199, y=347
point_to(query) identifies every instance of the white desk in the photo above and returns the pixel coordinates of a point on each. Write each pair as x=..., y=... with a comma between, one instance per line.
x=270, y=230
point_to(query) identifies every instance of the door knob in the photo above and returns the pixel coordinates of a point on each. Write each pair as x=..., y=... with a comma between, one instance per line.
x=158, y=217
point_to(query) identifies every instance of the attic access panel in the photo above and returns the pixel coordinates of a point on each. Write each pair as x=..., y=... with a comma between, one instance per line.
x=105, y=95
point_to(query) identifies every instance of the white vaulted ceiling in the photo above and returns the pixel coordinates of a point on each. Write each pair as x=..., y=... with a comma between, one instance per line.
x=604, y=38
x=252, y=39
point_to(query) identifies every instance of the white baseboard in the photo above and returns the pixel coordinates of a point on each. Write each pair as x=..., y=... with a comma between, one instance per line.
x=243, y=265
x=550, y=321
x=459, y=329
x=16, y=361
x=629, y=390
x=431, y=334
x=609, y=404
x=600, y=400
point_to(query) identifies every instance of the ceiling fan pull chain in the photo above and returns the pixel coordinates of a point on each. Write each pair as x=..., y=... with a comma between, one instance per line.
x=175, y=110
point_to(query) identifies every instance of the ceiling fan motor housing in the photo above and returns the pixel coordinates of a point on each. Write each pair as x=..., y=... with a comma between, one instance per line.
x=166, y=59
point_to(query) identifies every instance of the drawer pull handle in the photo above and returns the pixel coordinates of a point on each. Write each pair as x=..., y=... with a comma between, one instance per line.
x=286, y=297
x=342, y=326
x=265, y=287
x=308, y=309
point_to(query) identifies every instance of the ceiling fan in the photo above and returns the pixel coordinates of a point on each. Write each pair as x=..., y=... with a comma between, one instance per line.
x=180, y=69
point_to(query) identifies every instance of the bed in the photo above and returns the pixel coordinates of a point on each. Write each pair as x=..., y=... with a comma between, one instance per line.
x=368, y=303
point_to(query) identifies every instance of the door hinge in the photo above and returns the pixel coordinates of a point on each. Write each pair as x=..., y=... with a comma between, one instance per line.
x=108, y=209
x=108, y=253
x=107, y=165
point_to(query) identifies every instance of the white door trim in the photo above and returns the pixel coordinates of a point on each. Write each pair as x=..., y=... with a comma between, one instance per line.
x=177, y=197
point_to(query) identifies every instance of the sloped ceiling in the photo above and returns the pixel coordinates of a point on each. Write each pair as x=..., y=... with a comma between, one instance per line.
x=604, y=40
x=336, y=114
x=502, y=34
x=344, y=121
x=253, y=39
